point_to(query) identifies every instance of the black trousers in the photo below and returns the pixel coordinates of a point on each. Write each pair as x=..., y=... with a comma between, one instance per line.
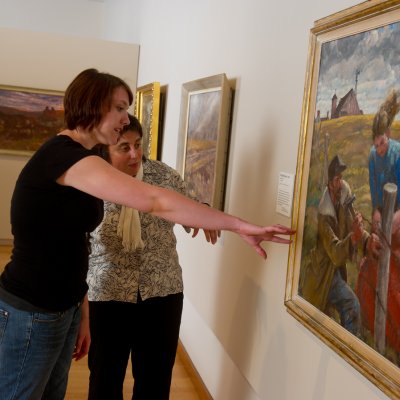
x=148, y=331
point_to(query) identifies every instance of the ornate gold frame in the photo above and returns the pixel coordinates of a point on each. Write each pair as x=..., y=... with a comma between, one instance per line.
x=377, y=368
x=147, y=111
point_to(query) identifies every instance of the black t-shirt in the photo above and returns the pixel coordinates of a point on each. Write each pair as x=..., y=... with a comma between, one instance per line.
x=51, y=224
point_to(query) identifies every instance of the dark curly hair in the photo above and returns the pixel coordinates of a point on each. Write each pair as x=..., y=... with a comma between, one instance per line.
x=134, y=125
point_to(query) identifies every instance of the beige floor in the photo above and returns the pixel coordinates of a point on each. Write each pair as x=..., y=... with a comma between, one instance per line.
x=186, y=384
x=183, y=386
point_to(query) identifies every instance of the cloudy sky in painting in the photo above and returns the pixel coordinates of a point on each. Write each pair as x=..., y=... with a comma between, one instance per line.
x=375, y=53
x=29, y=101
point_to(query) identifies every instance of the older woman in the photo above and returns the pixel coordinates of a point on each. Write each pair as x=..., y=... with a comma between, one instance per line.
x=135, y=284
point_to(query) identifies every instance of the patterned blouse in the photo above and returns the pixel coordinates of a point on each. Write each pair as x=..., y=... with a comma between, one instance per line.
x=154, y=270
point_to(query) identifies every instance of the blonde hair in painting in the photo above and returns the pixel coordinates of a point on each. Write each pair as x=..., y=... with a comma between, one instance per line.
x=384, y=117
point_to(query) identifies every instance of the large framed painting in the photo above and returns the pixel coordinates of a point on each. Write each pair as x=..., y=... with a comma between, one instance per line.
x=204, y=137
x=343, y=280
x=28, y=117
x=147, y=110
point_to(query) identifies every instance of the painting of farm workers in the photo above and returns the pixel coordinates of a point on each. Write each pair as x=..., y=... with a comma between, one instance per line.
x=350, y=260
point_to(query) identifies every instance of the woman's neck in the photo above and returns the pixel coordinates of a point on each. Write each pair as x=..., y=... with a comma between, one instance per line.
x=85, y=138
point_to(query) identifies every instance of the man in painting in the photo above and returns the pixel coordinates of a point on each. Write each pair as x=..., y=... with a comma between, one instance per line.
x=340, y=237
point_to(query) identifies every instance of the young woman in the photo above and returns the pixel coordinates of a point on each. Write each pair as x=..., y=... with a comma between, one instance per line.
x=55, y=205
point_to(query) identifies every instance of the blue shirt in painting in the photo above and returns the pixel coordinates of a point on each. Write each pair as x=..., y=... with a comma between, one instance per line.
x=383, y=170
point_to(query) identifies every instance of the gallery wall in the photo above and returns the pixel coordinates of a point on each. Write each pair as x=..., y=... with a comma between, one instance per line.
x=235, y=326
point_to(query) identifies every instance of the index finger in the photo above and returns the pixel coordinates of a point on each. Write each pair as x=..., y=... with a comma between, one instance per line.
x=278, y=228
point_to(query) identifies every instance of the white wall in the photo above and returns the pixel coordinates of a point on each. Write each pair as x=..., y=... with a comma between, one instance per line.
x=235, y=326
x=45, y=44
x=102, y=19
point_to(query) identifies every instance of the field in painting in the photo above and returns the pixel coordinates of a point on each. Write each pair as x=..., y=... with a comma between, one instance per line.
x=200, y=168
x=28, y=119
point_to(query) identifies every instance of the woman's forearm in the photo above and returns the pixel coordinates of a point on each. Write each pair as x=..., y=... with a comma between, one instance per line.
x=178, y=208
x=96, y=177
x=85, y=307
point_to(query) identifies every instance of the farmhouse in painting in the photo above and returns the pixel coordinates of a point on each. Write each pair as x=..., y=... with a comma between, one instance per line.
x=348, y=105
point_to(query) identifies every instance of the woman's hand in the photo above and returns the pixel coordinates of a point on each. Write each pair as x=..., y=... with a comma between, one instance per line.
x=83, y=340
x=254, y=236
x=210, y=235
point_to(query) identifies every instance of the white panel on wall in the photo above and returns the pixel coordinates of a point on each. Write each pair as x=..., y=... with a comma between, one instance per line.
x=115, y=20
x=50, y=61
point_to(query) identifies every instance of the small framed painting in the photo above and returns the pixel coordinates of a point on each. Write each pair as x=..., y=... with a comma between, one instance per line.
x=204, y=137
x=147, y=111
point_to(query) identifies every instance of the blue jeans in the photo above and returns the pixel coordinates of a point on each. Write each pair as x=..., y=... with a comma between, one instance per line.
x=36, y=352
x=346, y=303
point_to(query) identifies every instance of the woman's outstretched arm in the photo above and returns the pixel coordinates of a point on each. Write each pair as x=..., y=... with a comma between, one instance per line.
x=95, y=176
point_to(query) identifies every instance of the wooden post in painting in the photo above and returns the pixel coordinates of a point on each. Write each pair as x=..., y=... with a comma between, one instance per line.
x=316, y=135
x=389, y=201
x=326, y=162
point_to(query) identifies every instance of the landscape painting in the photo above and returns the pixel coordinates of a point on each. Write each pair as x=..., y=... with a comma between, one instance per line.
x=343, y=279
x=201, y=146
x=27, y=118
x=204, y=138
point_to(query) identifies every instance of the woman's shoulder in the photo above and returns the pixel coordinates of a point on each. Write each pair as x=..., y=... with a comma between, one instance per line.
x=161, y=174
x=55, y=156
x=394, y=145
x=156, y=166
x=61, y=142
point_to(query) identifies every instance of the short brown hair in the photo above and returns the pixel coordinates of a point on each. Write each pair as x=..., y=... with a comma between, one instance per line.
x=88, y=95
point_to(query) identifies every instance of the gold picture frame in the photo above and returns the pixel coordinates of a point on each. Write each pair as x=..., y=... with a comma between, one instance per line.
x=147, y=111
x=203, y=142
x=341, y=96
x=28, y=117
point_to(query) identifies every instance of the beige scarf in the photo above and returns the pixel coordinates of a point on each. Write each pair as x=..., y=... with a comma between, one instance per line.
x=129, y=225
